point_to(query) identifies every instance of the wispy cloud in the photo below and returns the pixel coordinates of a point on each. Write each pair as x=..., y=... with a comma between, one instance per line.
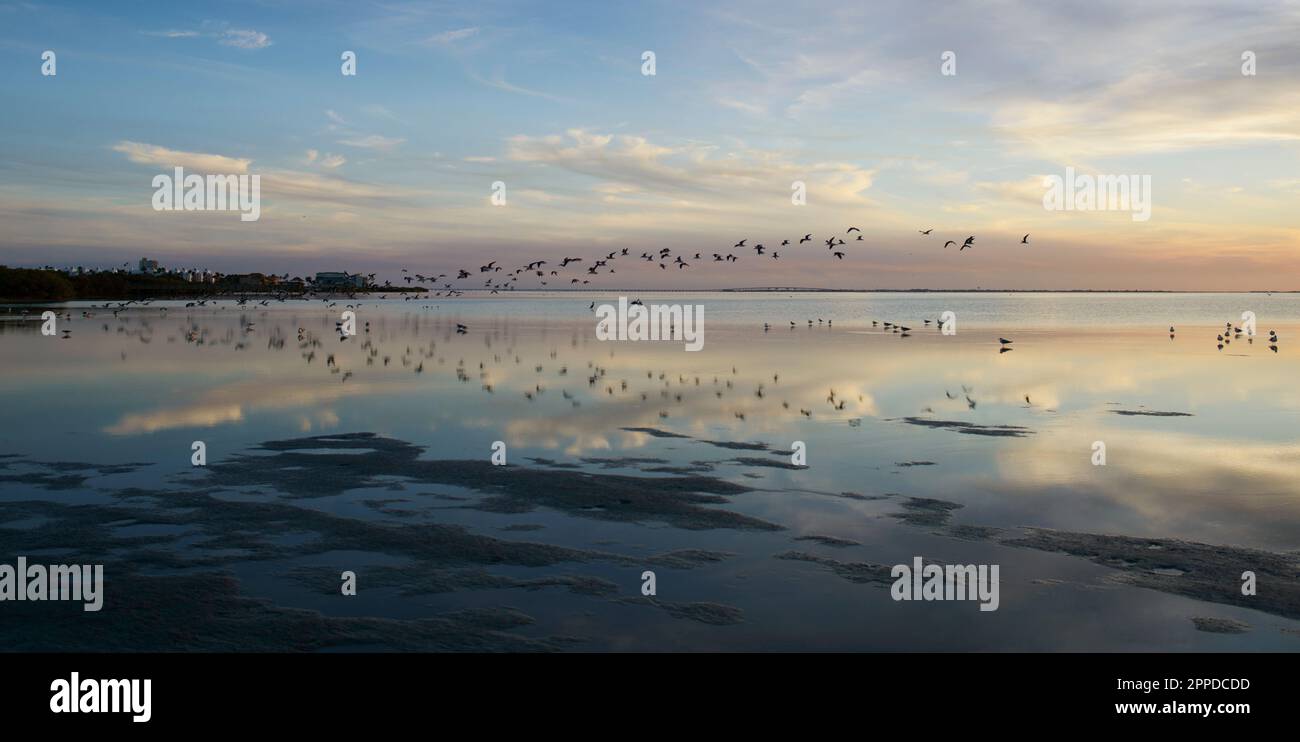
x=244, y=39
x=499, y=82
x=451, y=37
x=751, y=108
x=326, y=188
x=374, y=142
x=294, y=184
x=383, y=112
x=152, y=154
x=1153, y=113
x=236, y=37
x=693, y=168
x=821, y=97
x=172, y=34
x=328, y=161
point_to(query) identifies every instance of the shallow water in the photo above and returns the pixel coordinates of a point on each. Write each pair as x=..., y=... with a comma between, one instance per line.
x=1004, y=441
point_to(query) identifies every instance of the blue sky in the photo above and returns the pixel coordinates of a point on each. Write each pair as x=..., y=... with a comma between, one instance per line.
x=393, y=167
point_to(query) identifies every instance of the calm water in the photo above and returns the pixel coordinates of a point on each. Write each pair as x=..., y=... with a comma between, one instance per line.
x=624, y=457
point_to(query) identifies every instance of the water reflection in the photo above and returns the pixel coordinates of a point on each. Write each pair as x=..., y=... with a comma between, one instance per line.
x=890, y=424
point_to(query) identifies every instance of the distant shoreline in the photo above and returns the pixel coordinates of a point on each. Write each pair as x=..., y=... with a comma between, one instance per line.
x=999, y=291
x=137, y=296
x=361, y=294
x=24, y=285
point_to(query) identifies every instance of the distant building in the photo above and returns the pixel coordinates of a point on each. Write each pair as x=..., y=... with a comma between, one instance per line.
x=341, y=280
x=245, y=280
x=148, y=266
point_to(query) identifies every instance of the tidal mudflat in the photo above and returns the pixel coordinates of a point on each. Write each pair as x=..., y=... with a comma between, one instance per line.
x=372, y=455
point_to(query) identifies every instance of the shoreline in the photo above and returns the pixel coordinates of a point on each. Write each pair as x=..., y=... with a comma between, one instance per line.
x=463, y=293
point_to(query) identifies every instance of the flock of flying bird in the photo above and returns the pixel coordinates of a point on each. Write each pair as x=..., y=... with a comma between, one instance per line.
x=500, y=278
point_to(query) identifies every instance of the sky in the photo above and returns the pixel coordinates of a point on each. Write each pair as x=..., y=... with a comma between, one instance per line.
x=394, y=167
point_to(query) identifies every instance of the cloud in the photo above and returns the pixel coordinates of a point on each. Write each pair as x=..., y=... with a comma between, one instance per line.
x=328, y=161
x=821, y=97
x=752, y=108
x=1285, y=184
x=689, y=170
x=172, y=34
x=373, y=141
x=374, y=109
x=291, y=184
x=244, y=39
x=152, y=154
x=239, y=38
x=450, y=37
x=354, y=138
x=1029, y=190
x=332, y=189
x=499, y=82
x=1149, y=114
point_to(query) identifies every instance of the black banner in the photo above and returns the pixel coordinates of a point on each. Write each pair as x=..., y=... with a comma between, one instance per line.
x=332, y=691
